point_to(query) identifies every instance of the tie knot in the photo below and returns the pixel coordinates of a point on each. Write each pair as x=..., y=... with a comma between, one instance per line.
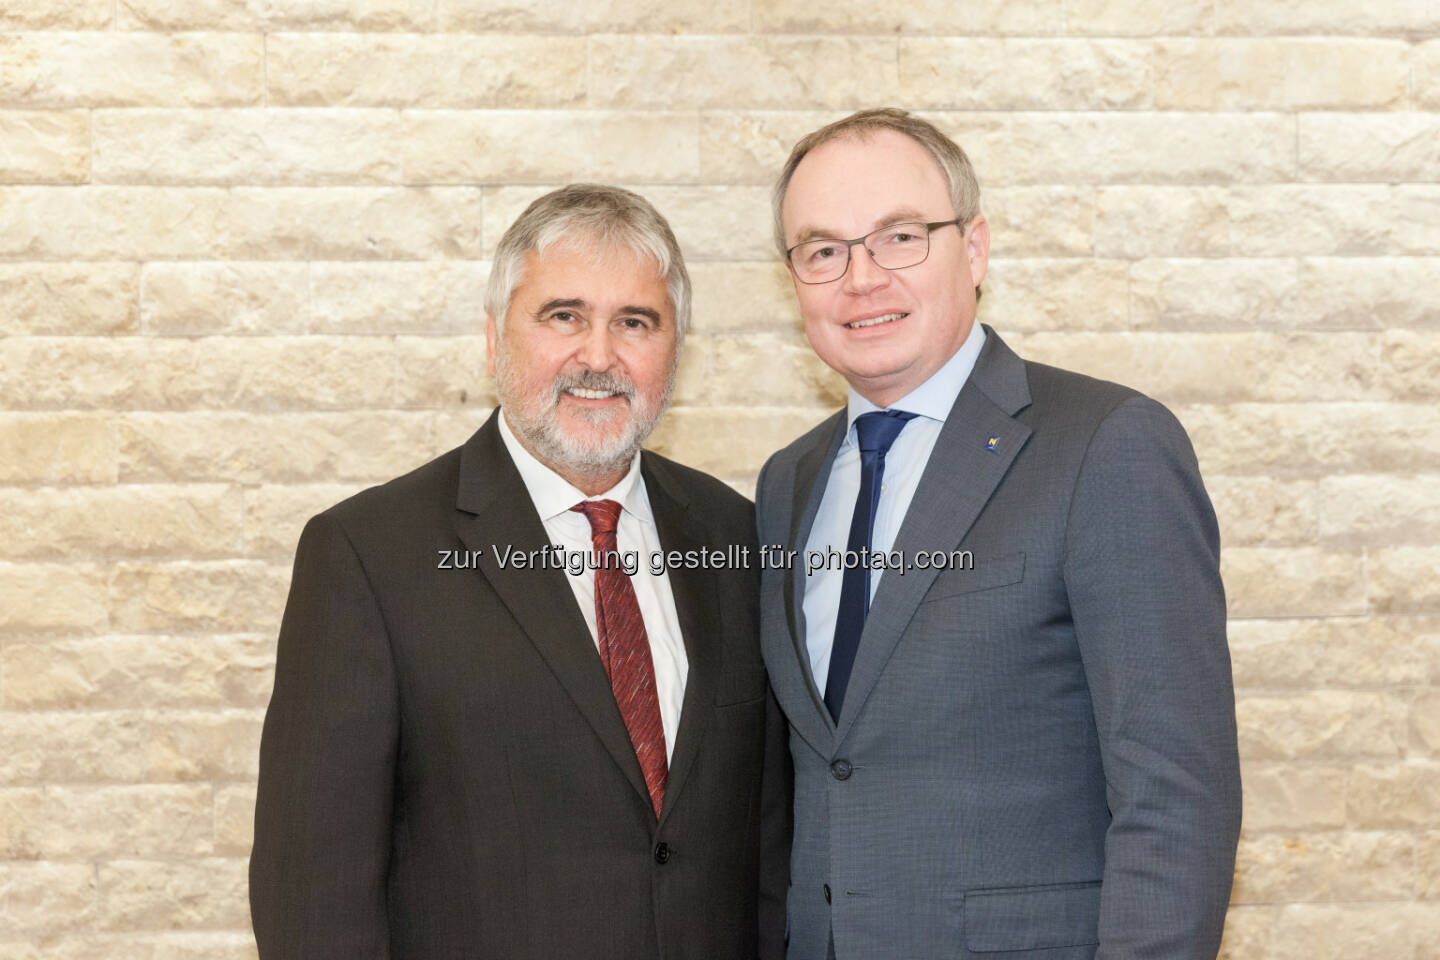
x=604, y=515
x=877, y=430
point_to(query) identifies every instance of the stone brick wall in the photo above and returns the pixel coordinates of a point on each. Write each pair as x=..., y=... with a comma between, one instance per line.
x=242, y=249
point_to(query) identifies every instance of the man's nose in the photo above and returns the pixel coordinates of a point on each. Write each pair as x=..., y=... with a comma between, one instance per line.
x=864, y=274
x=597, y=348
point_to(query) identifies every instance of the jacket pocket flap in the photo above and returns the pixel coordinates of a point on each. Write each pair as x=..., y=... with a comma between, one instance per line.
x=740, y=685
x=1032, y=918
x=988, y=572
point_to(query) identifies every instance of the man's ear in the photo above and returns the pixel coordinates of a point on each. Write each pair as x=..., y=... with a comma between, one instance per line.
x=492, y=337
x=977, y=248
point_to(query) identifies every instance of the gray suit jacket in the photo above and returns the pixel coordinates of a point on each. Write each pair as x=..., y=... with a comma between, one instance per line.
x=1036, y=756
x=444, y=773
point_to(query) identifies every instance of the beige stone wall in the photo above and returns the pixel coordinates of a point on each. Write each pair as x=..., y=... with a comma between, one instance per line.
x=242, y=248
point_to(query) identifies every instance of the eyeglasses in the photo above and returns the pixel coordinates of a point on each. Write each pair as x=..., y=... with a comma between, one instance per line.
x=893, y=247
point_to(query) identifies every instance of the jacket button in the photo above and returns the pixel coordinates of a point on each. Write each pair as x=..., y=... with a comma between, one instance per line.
x=841, y=769
x=827, y=893
x=662, y=852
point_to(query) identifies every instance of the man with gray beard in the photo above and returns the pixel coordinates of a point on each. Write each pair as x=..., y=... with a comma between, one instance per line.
x=472, y=752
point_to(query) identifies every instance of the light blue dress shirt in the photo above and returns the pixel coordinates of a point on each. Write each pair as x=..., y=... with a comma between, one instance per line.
x=904, y=464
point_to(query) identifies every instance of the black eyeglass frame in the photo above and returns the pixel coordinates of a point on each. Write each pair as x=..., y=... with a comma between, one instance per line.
x=935, y=225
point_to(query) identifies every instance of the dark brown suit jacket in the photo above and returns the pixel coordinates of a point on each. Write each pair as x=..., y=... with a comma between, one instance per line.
x=444, y=772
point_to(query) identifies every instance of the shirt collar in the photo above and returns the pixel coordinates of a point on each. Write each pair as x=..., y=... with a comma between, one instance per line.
x=933, y=398
x=553, y=495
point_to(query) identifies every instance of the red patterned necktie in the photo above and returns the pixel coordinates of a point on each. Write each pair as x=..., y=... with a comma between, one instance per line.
x=625, y=649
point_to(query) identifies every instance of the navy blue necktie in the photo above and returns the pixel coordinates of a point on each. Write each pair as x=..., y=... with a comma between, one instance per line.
x=875, y=432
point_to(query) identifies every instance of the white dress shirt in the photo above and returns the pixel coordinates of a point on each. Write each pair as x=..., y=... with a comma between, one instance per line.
x=904, y=464
x=553, y=497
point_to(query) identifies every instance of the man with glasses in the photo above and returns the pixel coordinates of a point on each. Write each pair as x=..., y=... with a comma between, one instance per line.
x=1000, y=644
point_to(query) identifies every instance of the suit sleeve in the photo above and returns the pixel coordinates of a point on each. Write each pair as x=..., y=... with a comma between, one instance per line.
x=776, y=803
x=327, y=759
x=1142, y=570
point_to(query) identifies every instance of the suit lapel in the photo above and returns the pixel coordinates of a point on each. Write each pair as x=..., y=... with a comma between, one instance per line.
x=812, y=474
x=494, y=508
x=963, y=471
x=698, y=610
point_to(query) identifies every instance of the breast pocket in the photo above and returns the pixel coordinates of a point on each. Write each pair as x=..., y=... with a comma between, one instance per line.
x=987, y=574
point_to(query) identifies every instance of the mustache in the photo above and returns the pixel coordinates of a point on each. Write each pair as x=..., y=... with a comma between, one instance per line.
x=593, y=380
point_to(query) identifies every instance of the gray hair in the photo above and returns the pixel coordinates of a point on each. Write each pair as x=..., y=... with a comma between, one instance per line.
x=608, y=217
x=964, y=187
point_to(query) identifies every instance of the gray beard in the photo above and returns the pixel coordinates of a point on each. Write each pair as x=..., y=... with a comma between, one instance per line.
x=537, y=423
